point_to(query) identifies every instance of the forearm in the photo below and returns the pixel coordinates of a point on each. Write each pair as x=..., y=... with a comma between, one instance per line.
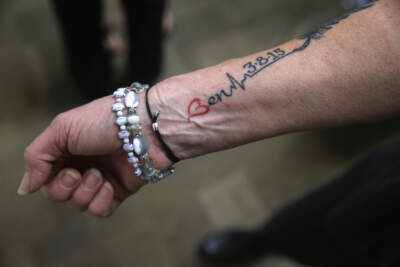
x=351, y=74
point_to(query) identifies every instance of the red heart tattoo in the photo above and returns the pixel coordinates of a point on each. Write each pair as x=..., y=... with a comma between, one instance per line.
x=196, y=108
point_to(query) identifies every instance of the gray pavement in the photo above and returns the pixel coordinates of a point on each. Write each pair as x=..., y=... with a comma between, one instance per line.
x=161, y=225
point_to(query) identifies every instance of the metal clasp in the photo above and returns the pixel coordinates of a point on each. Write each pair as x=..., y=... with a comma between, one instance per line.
x=155, y=123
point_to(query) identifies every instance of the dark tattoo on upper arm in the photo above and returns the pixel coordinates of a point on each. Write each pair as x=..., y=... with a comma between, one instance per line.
x=319, y=32
x=252, y=68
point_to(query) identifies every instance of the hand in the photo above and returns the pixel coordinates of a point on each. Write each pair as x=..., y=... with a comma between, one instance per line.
x=79, y=159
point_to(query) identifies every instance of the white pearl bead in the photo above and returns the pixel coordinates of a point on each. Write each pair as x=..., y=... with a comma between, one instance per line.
x=133, y=119
x=121, y=120
x=122, y=127
x=138, y=171
x=126, y=140
x=128, y=147
x=120, y=113
x=118, y=106
x=133, y=159
x=123, y=134
x=120, y=92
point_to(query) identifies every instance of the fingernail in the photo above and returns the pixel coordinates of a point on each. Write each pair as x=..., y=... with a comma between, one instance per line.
x=96, y=172
x=92, y=180
x=103, y=194
x=108, y=185
x=69, y=180
x=23, y=188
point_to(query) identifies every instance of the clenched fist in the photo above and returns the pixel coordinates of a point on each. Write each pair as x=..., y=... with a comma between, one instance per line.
x=79, y=159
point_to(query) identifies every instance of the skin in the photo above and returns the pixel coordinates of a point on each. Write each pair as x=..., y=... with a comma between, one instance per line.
x=348, y=73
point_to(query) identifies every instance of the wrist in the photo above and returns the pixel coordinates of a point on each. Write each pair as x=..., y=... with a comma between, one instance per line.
x=167, y=98
x=156, y=151
x=230, y=104
x=186, y=122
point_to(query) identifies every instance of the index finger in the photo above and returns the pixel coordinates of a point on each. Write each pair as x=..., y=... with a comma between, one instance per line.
x=41, y=155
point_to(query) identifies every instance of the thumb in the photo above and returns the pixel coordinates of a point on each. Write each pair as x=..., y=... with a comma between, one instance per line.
x=40, y=156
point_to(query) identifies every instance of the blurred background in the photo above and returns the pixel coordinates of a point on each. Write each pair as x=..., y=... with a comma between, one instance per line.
x=162, y=224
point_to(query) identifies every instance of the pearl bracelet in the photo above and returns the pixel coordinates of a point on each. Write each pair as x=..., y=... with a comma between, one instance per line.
x=125, y=107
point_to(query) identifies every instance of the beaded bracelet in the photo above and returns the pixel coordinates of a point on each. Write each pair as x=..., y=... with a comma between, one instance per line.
x=125, y=107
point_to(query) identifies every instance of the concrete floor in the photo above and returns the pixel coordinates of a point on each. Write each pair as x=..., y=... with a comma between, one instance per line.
x=161, y=225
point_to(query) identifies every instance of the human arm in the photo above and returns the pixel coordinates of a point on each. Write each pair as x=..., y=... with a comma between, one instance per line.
x=305, y=85
x=350, y=74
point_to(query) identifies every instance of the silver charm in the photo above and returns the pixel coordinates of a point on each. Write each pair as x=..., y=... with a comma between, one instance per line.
x=131, y=100
x=149, y=172
x=155, y=126
x=140, y=145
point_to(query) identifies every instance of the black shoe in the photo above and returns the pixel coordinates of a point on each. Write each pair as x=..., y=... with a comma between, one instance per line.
x=231, y=247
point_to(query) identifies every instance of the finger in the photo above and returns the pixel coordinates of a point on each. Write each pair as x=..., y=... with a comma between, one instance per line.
x=91, y=183
x=63, y=185
x=41, y=154
x=120, y=192
x=101, y=204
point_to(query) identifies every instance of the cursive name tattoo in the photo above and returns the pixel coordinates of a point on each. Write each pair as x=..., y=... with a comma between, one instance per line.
x=195, y=108
x=259, y=64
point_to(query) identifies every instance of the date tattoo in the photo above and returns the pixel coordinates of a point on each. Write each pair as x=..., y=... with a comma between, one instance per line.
x=252, y=68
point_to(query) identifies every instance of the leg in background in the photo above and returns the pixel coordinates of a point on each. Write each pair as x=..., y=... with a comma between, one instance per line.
x=83, y=35
x=144, y=24
x=346, y=222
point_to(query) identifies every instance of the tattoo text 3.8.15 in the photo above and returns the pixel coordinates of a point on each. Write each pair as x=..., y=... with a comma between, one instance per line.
x=196, y=108
x=252, y=68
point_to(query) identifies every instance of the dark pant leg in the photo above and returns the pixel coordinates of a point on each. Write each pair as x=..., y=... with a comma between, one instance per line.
x=144, y=19
x=89, y=62
x=319, y=228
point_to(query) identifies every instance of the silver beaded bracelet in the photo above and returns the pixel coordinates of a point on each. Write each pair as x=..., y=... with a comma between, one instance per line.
x=125, y=107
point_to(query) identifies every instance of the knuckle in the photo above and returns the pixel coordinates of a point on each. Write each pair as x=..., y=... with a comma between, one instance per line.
x=61, y=122
x=61, y=126
x=60, y=119
x=28, y=154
